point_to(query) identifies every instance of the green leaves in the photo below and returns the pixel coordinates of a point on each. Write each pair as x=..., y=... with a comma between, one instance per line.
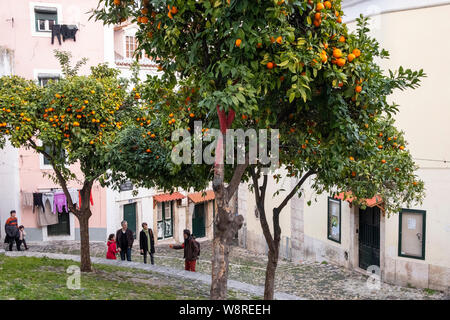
x=284, y=74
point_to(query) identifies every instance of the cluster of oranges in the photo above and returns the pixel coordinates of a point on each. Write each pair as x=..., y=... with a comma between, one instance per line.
x=318, y=15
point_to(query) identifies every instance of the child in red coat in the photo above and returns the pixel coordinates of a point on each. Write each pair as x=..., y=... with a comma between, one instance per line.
x=112, y=249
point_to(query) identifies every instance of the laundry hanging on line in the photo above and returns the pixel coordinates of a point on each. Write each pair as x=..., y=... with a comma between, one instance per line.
x=27, y=199
x=57, y=200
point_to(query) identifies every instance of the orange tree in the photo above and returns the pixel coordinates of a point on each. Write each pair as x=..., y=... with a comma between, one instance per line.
x=263, y=63
x=70, y=122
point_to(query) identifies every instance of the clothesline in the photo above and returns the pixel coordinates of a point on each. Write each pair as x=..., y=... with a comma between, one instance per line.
x=55, y=198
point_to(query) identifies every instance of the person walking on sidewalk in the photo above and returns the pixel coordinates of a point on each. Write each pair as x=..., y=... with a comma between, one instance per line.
x=12, y=231
x=22, y=235
x=191, y=250
x=124, y=240
x=112, y=248
x=147, y=243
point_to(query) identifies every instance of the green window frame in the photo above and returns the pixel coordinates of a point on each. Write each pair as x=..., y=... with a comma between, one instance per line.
x=42, y=14
x=165, y=220
x=410, y=225
x=334, y=220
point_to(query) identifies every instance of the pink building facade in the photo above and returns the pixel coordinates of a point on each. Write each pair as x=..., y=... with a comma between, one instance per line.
x=26, y=50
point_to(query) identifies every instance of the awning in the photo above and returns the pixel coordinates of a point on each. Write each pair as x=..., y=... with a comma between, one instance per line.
x=376, y=201
x=167, y=197
x=199, y=197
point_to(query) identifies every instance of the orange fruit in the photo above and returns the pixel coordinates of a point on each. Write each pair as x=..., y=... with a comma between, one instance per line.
x=270, y=65
x=341, y=62
x=342, y=39
x=317, y=16
x=337, y=53
x=397, y=169
x=191, y=115
x=280, y=40
x=353, y=174
x=380, y=147
x=339, y=20
x=402, y=148
x=238, y=42
x=351, y=57
x=317, y=23
x=259, y=45
x=327, y=4
x=117, y=2
x=144, y=20
x=383, y=161
x=148, y=150
x=351, y=159
x=320, y=6
x=358, y=89
x=356, y=52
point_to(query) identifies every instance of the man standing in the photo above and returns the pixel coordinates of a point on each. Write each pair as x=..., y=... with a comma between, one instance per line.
x=124, y=240
x=191, y=250
x=12, y=231
x=147, y=242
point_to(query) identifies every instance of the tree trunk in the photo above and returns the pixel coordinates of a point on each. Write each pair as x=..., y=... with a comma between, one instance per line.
x=225, y=227
x=269, y=286
x=226, y=224
x=84, y=237
x=220, y=255
x=83, y=217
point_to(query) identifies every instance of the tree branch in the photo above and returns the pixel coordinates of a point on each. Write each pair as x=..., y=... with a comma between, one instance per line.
x=59, y=176
x=260, y=200
x=293, y=192
x=237, y=177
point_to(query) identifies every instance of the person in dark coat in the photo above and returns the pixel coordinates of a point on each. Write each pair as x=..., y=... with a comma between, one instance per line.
x=12, y=231
x=124, y=240
x=147, y=243
x=191, y=250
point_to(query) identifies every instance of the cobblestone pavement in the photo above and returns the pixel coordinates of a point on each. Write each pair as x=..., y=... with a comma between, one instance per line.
x=309, y=280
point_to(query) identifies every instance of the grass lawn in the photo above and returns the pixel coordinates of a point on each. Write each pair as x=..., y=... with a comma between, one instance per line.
x=42, y=279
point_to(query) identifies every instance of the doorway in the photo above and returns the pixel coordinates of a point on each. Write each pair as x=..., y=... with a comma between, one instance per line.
x=369, y=237
x=129, y=214
x=165, y=220
x=198, y=221
x=62, y=228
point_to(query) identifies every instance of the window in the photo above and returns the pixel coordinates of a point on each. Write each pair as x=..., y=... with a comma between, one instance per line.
x=43, y=78
x=130, y=46
x=334, y=219
x=48, y=149
x=165, y=221
x=411, y=242
x=45, y=18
